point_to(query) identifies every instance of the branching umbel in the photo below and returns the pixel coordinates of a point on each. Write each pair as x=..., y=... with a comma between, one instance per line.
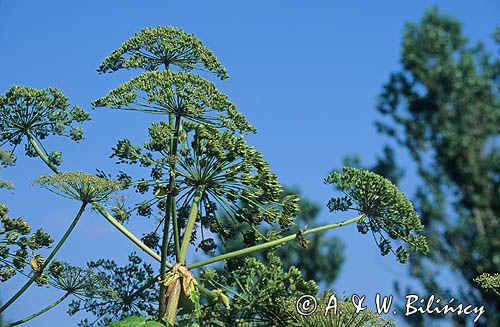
x=199, y=167
x=37, y=114
x=74, y=185
x=153, y=47
x=75, y=281
x=207, y=166
x=388, y=212
x=27, y=113
x=79, y=186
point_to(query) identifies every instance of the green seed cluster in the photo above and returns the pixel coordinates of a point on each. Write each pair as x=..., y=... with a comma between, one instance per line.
x=16, y=242
x=388, y=211
x=489, y=282
x=200, y=143
x=234, y=175
x=258, y=292
x=156, y=46
x=179, y=93
x=38, y=112
x=79, y=186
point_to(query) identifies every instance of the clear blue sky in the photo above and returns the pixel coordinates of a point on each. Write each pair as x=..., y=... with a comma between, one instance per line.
x=305, y=73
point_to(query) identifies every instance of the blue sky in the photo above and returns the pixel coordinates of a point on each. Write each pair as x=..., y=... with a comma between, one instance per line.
x=306, y=74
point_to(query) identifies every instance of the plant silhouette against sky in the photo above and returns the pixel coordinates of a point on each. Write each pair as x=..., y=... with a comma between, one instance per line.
x=197, y=167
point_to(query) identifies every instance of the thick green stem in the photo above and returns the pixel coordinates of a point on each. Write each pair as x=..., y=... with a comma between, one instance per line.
x=174, y=289
x=166, y=231
x=174, y=294
x=163, y=260
x=193, y=213
x=175, y=227
x=173, y=161
x=272, y=243
x=129, y=235
x=174, y=141
x=39, y=272
x=205, y=291
x=22, y=321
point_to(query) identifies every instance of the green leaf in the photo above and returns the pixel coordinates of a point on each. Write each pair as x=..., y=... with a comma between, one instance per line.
x=136, y=321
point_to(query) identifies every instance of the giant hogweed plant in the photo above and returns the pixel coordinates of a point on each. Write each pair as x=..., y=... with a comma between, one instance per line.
x=197, y=167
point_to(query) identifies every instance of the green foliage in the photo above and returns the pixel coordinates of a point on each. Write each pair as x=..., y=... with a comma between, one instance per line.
x=443, y=106
x=79, y=186
x=200, y=168
x=16, y=241
x=234, y=176
x=388, y=211
x=40, y=113
x=257, y=292
x=118, y=298
x=156, y=46
x=136, y=321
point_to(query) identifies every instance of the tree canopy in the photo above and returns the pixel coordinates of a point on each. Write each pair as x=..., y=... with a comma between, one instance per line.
x=443, y=106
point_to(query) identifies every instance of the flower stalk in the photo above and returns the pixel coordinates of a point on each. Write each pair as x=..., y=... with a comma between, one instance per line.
x=36, y=314
x=40, y=153
x=174, y=290
x=99, y=208
x=193, y=213
x=171, y=208
x=128, y=234
x=40, y=270
x=272, y=243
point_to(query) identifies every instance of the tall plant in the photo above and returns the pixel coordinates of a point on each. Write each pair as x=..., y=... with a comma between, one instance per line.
x=198, y=167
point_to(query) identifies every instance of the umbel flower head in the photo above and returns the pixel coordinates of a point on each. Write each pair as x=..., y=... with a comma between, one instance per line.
x=387, y=211
x=16, y=241
x=40, y=113
x=157, y=46
x=233, y=176
x=77, y=281
x=184, y=94
x=79, y=186
x=120, y=299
